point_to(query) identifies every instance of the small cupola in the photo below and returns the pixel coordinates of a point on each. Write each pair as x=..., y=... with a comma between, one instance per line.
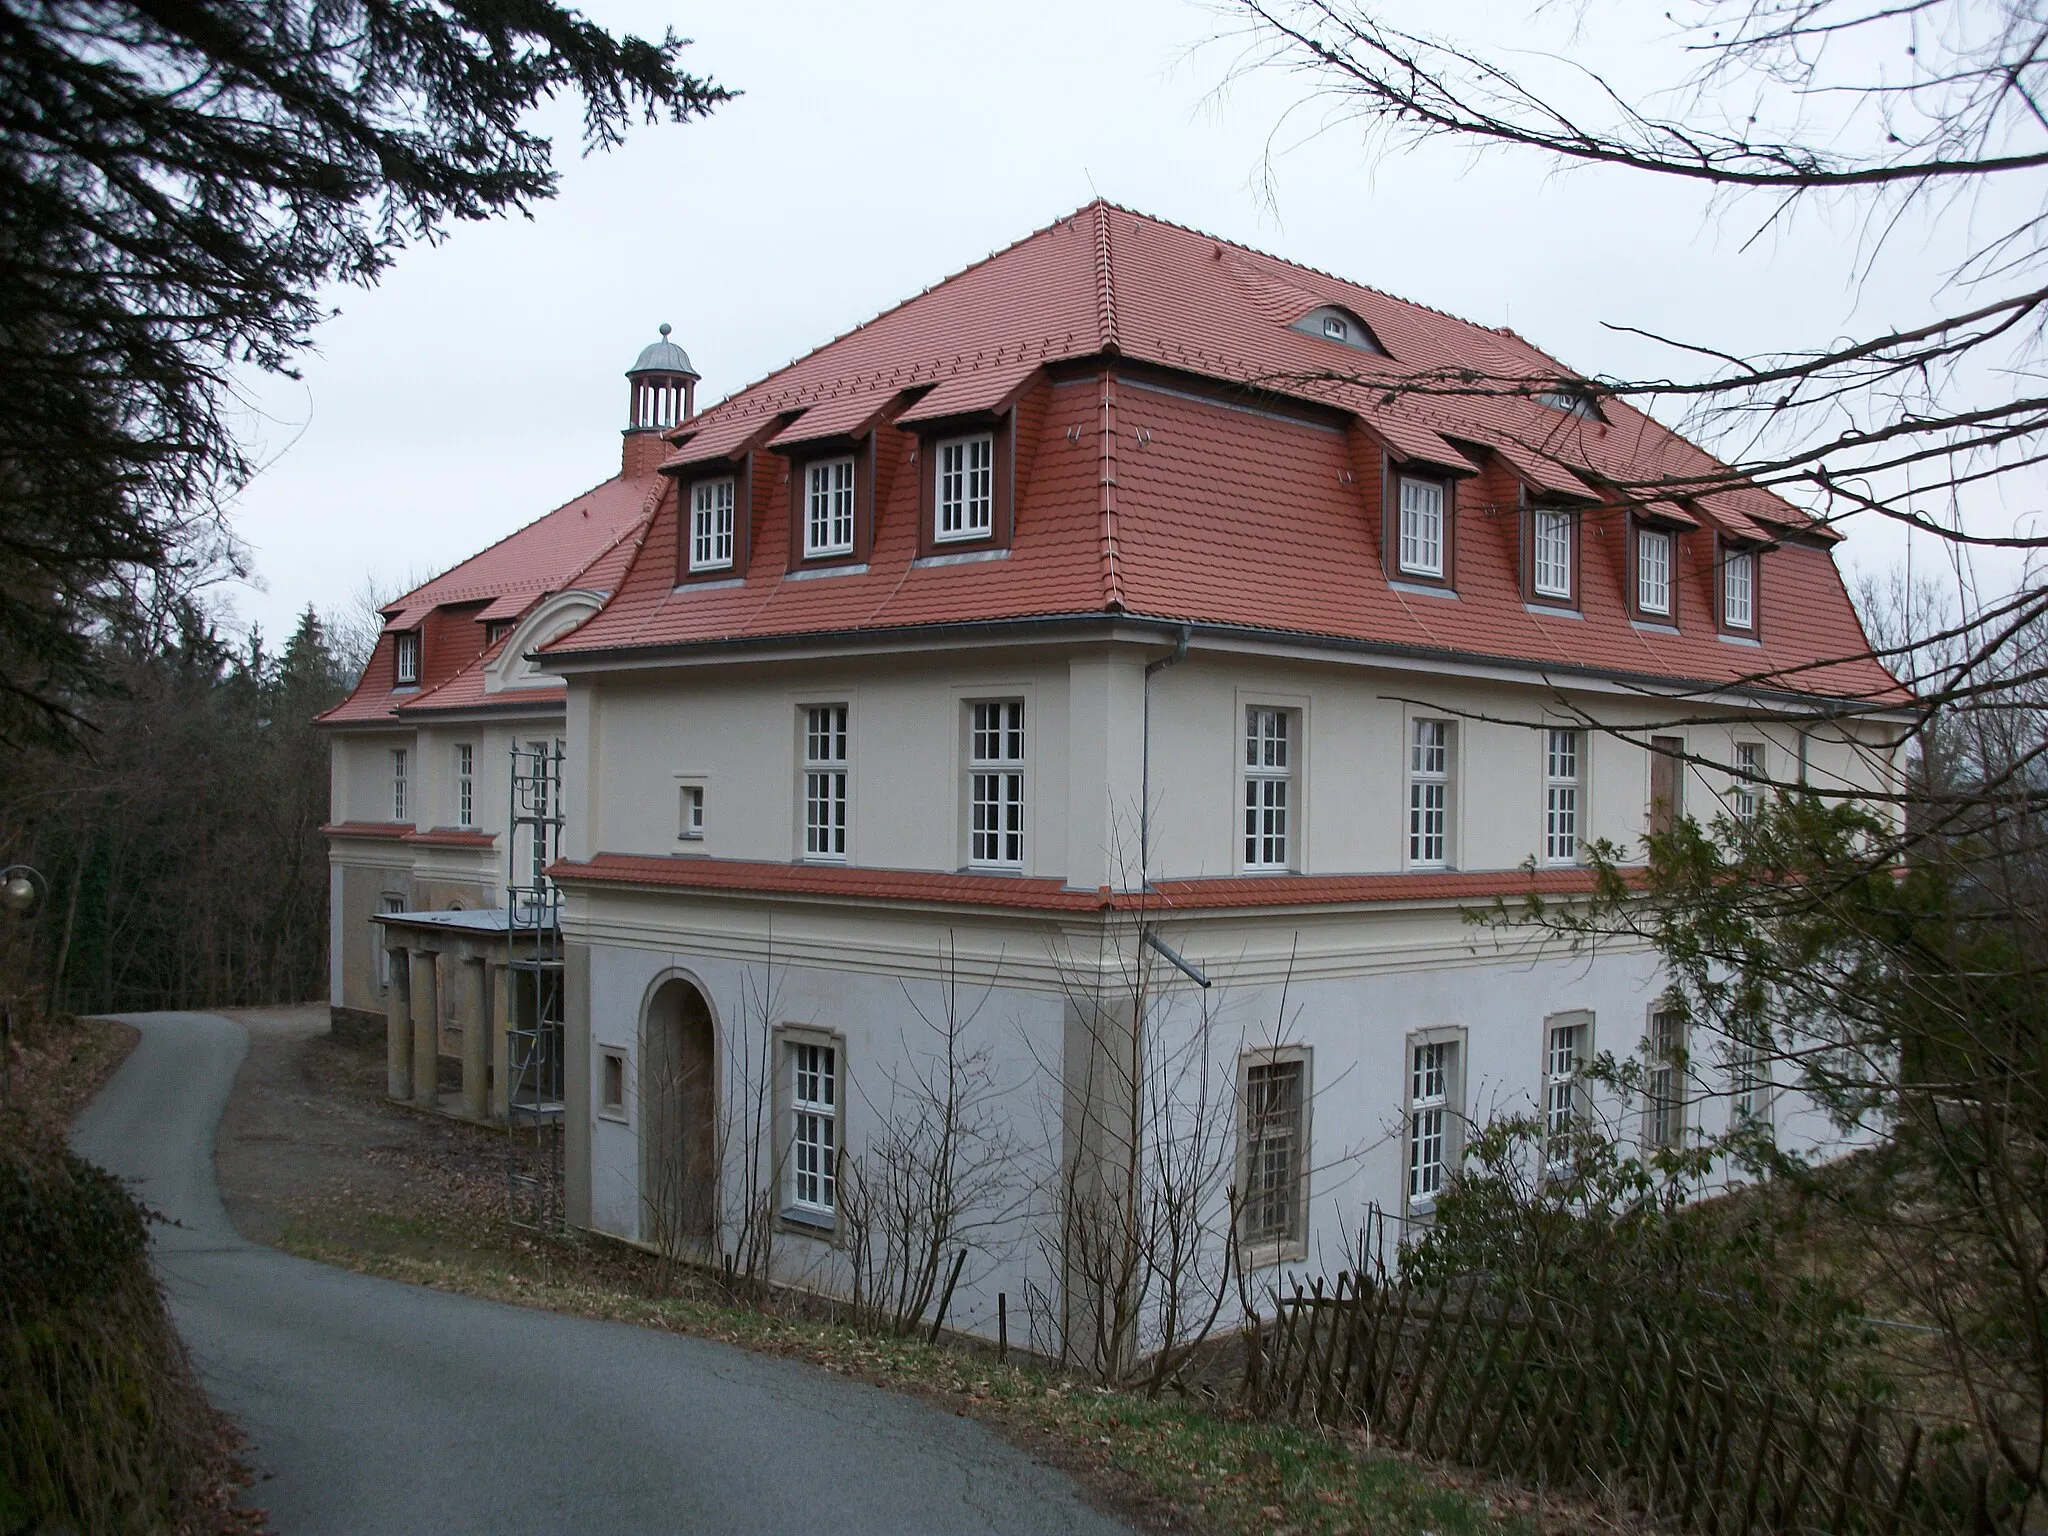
x=664, y=397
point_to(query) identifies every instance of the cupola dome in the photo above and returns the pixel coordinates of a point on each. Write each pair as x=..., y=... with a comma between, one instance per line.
x=662, y=356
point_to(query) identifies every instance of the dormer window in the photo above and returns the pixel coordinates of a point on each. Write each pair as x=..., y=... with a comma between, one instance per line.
x=497, y=630
x=1553, y=553
x=1738, y=589
x=966, y=496
x=711, y=525
x=1653, y=572
x=1573, y=402
x=406, y=651
x=828, y=508
x=1422, y=528
x=1336, y=327
x=1341, y=326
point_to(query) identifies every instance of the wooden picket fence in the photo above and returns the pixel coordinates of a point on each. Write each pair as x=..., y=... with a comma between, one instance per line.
x=1602, y=1401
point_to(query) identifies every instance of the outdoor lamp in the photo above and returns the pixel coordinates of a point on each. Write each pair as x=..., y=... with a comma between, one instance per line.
x=21, y=889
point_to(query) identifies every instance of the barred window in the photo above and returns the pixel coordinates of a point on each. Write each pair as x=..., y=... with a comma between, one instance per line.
x=1422, y=527
x=1553, y=576
x=1561, y=797
x=1429, y=793
x=1273, y=1152
x=828, y=517
x=825, y=781
x=711, y=525
x=1268, y=778
x=814, y=1128
x=966, y=488
x=1432, y=1074
x=995, y=785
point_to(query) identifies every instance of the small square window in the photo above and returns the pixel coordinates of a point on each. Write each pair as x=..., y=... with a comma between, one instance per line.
x=1335, y=328
x=406, y=652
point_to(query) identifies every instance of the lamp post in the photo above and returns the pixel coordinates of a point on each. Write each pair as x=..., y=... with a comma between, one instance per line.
x=22, y=891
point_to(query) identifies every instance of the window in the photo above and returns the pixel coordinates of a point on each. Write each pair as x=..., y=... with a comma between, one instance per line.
x=1664, y=1105
x=1738, y=590
x=1429, y=793
x=1749, y=773
x=1564, y=1054
x=389, y=903
x=540, y=797
x=1573, y=402
x=1553, y=539
x=1274, y=1174
x=465, y=786
x=406, y=650
x=995, y=785
x=1667, y=783
x=1561, y=797
x=398, y=783
x=711, y=503
x=1432, y=1076
x=828, y=508
x=1336, y=328
x=691, y=821
x=825, y=781
x=814, y=1130
x=1653, y=571
x=966, y=488
x=1749, y=1080
x=497, y=630
x=612, y=1088
x=1268, y=772
x=1422, y=527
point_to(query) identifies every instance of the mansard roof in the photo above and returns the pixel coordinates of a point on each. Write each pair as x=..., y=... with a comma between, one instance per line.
x=1186, y=453
x=587, y=542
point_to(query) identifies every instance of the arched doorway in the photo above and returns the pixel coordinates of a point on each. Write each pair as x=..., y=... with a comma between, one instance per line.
x=679, y=1119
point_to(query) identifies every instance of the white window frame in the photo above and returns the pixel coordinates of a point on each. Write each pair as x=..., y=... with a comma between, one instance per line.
x=389, y=903
x=465, y=784
x=711, y=524
x=399, y=787
x=1664, y=1080
x=1337, y=328
x=1738, y=589
x=1748, y=775
x=1567, y=1047
x=964, y=488
x=1421, y=527
x=1563, y=793
x=1749, y=1084
x=1551, y=548
x=811, y=1078
x=1266, y=1133
x=690, y=813
x=1431, y=743
x=829, y=496
x=1432, y=1140
x=996, y=783
x=1653, y=572
x=826, y=778
x=405, y=658
x=1269, y=758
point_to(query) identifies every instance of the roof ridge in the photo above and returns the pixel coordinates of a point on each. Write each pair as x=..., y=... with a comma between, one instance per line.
x=1105, y=281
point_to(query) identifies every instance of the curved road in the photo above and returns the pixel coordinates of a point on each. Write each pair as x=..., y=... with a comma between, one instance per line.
x=379, y=1407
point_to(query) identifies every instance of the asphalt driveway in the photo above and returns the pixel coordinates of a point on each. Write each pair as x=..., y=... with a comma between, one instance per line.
x=378, y=1407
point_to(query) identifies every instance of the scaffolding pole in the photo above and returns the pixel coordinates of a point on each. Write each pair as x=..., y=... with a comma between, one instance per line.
x=534, y=1024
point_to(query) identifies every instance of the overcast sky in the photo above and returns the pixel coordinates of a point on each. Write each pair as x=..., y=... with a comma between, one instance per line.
x=878, y=149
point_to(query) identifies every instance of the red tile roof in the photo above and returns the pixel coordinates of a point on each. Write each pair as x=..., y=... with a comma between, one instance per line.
x=747, y=877
x=588, y=542
x=1214, y=512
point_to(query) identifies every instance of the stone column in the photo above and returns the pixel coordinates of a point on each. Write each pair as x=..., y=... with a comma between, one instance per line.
x=398, y=1022
x=476, y=1039
x=426, y=1044
x=498, y=1000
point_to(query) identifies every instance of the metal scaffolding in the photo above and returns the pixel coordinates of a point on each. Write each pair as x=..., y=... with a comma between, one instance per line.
x=533, y=1027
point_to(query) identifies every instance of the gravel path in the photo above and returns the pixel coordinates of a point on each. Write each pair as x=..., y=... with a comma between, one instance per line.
x=377, y=1407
